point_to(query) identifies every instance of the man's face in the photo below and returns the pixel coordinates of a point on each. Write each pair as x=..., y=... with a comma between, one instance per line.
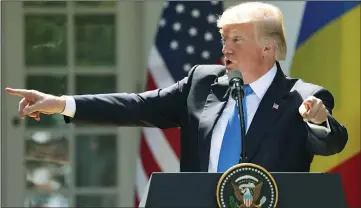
x=240, y=47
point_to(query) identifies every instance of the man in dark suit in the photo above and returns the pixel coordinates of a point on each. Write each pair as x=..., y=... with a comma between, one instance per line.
x=288, y=121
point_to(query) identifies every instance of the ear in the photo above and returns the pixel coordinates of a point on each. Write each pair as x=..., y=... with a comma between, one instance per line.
x=268, y=48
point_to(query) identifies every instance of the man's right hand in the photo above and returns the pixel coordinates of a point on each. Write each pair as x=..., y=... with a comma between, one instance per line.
x=34, y=102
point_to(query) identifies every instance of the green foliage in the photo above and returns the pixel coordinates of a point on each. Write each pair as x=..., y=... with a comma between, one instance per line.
x=95, y=40
x=46, y=40
x=232, y=202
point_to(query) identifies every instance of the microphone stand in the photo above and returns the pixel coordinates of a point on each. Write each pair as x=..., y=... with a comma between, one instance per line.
x=239, y=94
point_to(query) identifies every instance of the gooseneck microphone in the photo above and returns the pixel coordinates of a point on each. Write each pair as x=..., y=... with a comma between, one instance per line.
x=236, y=85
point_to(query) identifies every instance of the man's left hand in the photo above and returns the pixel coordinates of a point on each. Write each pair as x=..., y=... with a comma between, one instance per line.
x=312, y=109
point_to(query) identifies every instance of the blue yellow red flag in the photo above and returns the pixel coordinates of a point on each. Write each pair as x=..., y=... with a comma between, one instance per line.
x=328, y=54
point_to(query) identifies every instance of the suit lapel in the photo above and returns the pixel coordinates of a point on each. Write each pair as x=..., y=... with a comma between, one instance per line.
x=214, y=105
x=266, y=113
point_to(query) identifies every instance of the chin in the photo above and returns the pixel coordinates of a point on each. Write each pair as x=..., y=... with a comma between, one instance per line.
x=231, y=67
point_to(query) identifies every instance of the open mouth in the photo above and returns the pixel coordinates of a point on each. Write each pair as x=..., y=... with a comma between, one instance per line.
x=228, y=62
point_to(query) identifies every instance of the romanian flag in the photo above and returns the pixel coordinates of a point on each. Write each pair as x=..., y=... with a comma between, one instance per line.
x=328, y=54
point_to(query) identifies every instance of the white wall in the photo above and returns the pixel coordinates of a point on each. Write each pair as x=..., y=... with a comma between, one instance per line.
x=152, y=12
x=1, y=88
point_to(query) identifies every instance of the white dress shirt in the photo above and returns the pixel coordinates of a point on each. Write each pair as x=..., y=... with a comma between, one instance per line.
x=253, y=100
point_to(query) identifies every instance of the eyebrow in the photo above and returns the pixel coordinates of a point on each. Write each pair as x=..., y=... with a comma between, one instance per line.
x=236, y=32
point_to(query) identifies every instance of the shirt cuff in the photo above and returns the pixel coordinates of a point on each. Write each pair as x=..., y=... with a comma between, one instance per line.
x=320, y=131
x=70, y=107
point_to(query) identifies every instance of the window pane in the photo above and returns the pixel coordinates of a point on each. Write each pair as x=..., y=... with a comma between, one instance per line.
x=95, y=3
x=44, y=3
x=96, y=201
x=47, y=161
x=45, y=40
x=93, y=84
x=52, y=84
x=95, y=40
x=96, y=161
x=56, y=85
x=47, y=200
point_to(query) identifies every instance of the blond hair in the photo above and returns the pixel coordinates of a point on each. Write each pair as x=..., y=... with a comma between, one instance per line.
x=268, y=21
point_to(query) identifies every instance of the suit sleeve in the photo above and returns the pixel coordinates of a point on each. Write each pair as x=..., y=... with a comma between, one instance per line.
x=329, y=142
x=161, y=108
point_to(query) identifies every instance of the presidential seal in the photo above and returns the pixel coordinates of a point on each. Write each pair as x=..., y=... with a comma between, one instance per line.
x=247, y=185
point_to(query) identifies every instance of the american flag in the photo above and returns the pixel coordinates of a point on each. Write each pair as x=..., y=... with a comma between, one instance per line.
x=187, y=35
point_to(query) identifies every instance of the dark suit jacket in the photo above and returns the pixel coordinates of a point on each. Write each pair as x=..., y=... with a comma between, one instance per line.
x=279, y=140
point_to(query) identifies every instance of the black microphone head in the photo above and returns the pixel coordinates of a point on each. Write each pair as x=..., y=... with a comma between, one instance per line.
x=235, y=82
x=234, y=75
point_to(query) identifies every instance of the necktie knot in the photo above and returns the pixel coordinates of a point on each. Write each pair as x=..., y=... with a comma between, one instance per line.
x=247, y=90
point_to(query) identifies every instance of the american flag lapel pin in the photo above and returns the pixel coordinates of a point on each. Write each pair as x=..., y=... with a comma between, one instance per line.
x=275, y=106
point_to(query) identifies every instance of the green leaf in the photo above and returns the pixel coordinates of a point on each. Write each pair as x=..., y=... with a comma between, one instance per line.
x=232, y=202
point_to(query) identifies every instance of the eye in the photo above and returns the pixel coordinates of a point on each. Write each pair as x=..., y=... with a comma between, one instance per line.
x=236, y=39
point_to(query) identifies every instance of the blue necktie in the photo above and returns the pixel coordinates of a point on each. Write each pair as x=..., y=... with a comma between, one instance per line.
x=231, y=144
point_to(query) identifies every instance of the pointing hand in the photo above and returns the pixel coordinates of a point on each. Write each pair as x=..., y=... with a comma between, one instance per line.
x=34, y=102
x=312, y=109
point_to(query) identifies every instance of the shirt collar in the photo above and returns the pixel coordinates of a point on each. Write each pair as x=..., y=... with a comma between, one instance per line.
x=261, y=85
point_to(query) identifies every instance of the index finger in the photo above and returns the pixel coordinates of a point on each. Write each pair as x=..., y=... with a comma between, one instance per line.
x=309, y=100
x=18, y=92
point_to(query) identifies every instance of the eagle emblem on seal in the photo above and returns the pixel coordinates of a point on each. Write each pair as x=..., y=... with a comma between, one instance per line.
x=248, y=193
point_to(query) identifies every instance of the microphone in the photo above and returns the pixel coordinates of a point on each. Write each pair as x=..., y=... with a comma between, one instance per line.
x=235, y=81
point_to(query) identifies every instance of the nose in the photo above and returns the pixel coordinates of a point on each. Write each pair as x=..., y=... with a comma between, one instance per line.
x=226, y=49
